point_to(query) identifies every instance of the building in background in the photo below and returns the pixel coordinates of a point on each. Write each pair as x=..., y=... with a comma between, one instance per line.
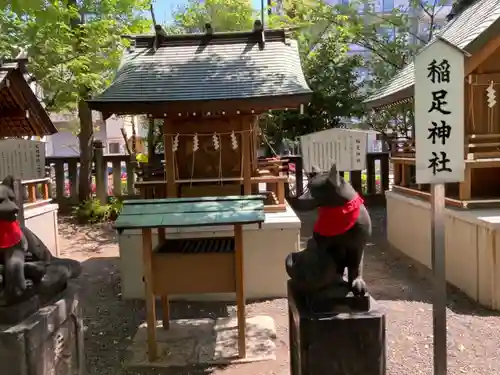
x=65, y=143
x=421, y=20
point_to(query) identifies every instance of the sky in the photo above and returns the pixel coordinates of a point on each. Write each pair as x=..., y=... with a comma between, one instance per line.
x=163, y=8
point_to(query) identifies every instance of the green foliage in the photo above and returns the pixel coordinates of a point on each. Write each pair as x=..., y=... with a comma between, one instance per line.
x=75, y=48
x=331, y=73
x=230, y=15
x=234, y=15
x=92, y=211
x=392, y=38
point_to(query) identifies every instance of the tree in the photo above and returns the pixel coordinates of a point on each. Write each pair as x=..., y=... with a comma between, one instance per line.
x=229, y=15
x=331, y=73
x=392, y=40
x=74, y=48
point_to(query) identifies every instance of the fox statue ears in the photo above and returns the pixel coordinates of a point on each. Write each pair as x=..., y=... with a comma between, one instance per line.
x=333, y=176
x=8, y=181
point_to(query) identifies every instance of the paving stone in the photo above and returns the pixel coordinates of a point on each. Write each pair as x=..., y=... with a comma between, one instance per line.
x=204, y=341
x=180, y=328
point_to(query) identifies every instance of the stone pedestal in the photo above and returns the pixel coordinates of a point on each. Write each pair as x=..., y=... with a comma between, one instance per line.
x=47, y=342
x=336, y=342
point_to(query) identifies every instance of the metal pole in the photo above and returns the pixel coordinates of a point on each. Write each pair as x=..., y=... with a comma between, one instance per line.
x=439, y=271
x=262, y=7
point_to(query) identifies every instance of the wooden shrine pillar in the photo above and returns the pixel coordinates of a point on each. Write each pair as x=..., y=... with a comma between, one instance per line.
x=246, y=126
x=168, y=141
x=465, y=185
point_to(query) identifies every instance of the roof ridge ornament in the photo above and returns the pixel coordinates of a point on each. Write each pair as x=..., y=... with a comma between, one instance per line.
x=258, y=28
x=160, y=36
x=209, y=30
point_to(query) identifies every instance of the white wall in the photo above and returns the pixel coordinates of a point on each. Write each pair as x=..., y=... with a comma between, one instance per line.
x=65, y=142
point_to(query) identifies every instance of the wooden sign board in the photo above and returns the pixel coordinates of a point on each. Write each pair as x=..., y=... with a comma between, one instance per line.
x=439, y=114
x=346, y=148
x=23, y=159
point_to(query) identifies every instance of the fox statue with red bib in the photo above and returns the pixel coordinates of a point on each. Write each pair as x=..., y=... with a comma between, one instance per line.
x=341, y=231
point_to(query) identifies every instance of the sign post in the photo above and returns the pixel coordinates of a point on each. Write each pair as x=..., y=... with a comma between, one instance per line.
x=439, y=149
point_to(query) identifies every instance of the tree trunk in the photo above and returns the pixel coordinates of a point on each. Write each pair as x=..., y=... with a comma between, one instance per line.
x=86, y=139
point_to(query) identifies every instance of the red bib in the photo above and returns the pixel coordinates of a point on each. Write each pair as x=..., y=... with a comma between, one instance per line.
x=10, y=234
x=333, y=221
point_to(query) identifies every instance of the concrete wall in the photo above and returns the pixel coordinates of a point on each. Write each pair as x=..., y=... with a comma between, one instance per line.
x=264, y=256
x=43, y=222
x=472, y=244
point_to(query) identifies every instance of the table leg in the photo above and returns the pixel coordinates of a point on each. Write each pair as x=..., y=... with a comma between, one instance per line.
x=147, y=250
x=240, y=291
x=164, y=299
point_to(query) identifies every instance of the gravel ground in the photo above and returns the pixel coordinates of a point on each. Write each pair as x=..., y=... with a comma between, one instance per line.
x=401, y=286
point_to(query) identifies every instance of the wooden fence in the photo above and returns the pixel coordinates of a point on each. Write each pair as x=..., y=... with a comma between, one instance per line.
x=114, y=176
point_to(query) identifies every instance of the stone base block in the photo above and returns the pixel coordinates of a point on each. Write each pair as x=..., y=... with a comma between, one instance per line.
x=335, y=342
x=47, y=342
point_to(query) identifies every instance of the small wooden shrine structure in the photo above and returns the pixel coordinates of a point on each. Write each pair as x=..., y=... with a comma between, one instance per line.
x=481, y=110
x=210, y=90
x=22, y=115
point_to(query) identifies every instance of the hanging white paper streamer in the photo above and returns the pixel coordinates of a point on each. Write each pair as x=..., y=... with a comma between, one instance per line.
x=491, y=95
x=196, y=144
x=215, y=140
x=175, y=143
x=234, y=141
x=302, y=109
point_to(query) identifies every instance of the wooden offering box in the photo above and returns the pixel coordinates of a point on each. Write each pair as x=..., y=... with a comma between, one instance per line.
x=210, y=262
x=191, y=266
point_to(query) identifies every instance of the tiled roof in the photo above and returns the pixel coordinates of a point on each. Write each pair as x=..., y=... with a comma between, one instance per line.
x=17, y=97
x=461, y=32
x=207, y=67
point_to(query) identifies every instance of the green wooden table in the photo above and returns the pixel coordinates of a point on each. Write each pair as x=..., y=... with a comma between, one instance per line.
x=146, y=214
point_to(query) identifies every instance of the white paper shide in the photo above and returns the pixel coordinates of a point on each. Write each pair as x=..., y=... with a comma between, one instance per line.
x=439, y=114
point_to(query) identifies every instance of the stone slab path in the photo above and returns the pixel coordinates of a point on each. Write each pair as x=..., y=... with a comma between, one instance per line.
x=206, y=341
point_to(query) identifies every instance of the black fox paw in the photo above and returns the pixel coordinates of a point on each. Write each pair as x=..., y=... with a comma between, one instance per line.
x=358, y=287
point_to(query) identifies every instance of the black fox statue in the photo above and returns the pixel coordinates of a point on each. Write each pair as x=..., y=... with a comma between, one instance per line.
x=27, y=267
x=340, y=234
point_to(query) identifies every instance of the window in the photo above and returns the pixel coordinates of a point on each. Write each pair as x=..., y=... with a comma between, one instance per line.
x=387, y=5
x=114, y=148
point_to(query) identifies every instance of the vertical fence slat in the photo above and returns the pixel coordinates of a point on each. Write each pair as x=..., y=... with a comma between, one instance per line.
x=117, y=178
x=130, y=177
x=59, y=171
x=100, y=172
x=73, y=180
x=384, y=171
x=370, y=175
x=299, y=176
x=355, y=178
